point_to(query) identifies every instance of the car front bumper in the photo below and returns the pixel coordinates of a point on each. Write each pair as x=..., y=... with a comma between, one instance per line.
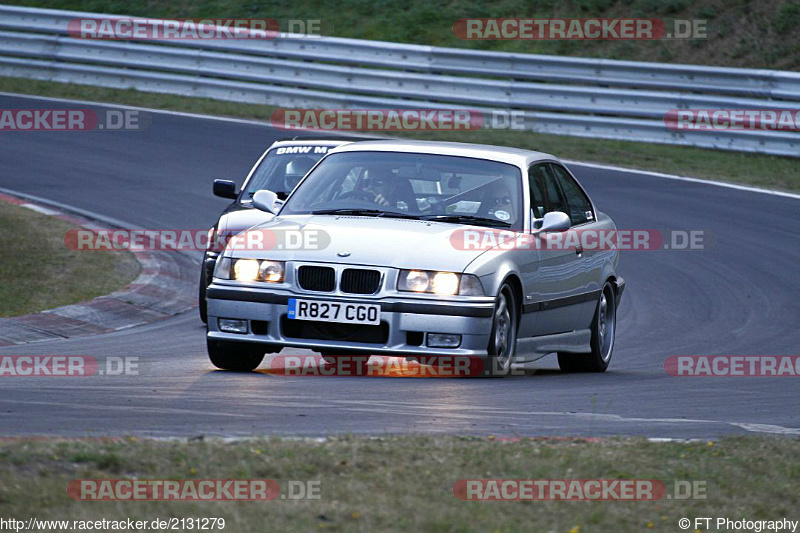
x=405, y=322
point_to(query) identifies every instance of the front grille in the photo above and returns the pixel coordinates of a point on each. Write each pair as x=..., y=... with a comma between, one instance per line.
x=331, y=331
x=356, y=281
x=314, y=278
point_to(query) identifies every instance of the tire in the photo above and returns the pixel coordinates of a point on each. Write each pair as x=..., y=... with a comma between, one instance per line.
x=503, y=338
x=202, y=305
x=235, y=356
x=604, y=328
x=352, y=364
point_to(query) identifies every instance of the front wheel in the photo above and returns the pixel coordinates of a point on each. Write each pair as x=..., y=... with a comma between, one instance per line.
x=503, y=338
x=235, y=356
x=604, y=327
x=202, y=305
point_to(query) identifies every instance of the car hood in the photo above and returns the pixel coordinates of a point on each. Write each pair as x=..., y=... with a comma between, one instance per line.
x=240, y=217
x=398, y=243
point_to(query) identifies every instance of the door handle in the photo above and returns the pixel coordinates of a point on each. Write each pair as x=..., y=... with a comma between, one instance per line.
x=578, y=250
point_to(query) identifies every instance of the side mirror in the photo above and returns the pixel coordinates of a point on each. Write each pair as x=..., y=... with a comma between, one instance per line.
x=266, y=201
x=554, y=221
x=225, y=189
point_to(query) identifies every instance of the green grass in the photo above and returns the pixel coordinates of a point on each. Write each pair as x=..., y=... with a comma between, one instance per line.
x=751, y=169
x=40, y=272
x=740, y=33
x=406, y=482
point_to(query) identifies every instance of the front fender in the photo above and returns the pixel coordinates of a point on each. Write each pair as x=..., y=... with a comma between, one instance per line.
x=493, y=267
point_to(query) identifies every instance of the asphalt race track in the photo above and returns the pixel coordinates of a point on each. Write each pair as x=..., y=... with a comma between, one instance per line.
x=739, y=297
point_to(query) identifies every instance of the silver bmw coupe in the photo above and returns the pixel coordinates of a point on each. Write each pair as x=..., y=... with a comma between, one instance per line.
x=422, y=250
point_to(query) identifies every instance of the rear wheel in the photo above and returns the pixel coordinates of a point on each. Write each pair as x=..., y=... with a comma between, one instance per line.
x=604, y=326
x=503, y=338
x=235, y=356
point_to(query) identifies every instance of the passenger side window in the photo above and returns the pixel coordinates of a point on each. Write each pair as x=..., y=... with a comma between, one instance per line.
x=556, y=200
x=536, y=183
x=577, y=206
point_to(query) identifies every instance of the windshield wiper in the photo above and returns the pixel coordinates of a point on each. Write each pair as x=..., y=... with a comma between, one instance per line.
x=353, y=212
x=470, y=219
x=364, y=212
x=393, y=214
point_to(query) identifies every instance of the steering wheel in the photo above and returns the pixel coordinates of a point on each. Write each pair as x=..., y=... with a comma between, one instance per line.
x=358, y=195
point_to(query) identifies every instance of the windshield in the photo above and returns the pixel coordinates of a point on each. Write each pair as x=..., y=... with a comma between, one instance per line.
x=283, y=167
x=449, y=188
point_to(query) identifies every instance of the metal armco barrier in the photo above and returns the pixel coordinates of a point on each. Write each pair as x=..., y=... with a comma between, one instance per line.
x=599, y=98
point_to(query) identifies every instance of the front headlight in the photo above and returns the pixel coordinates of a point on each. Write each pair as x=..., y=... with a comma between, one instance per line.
x=222, y=269
x=444, y=283
x=245, y=270
x=414, y=281
x=271, y=271
x=250, y=270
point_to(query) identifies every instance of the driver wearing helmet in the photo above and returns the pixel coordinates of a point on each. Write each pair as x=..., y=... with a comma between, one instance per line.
x=381, y=188
x=295, y=170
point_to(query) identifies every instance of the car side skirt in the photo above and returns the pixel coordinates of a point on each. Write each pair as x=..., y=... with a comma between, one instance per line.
x=561, y=302
x=533, y=348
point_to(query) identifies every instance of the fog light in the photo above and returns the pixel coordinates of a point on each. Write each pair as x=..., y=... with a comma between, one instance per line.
x=443, y=340
x=232, y=325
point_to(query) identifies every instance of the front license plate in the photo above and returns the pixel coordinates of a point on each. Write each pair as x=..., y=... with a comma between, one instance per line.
x=346, y=313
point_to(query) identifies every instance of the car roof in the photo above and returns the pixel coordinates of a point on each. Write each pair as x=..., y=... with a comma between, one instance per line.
x=308, y=142
x=331, y=137
x=504, y=154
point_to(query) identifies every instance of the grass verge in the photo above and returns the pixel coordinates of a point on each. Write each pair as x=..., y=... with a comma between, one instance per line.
x=762, y=34
x=750, y=169
x=406, y=482
x=43, y=273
